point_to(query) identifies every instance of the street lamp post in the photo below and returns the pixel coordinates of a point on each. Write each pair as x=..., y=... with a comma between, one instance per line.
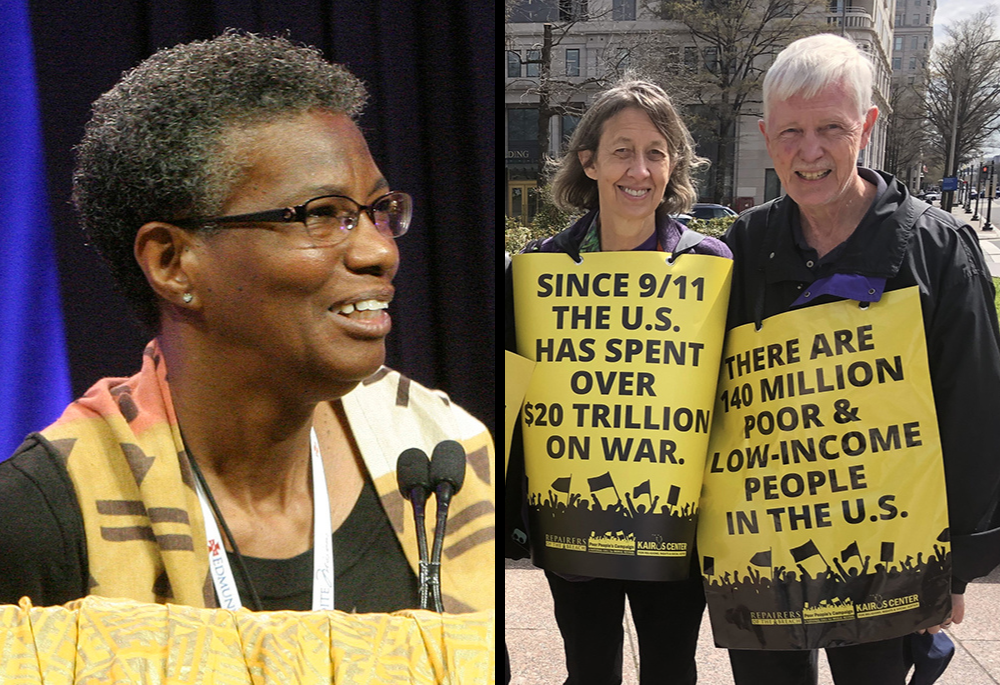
x=967, y=172
x=979, y=193
x=946, y=197
x=989, y=199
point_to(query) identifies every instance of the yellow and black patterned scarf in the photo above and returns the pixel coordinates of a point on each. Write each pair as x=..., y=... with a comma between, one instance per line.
x=144, y=527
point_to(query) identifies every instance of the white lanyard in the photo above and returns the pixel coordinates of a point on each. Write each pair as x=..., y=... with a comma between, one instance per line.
x=218, y=562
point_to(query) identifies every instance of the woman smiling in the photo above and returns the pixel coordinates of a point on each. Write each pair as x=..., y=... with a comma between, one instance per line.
x=628, y=167
x=251, y=460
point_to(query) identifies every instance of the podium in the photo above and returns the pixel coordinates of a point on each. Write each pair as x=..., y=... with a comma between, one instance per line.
x=100, y=640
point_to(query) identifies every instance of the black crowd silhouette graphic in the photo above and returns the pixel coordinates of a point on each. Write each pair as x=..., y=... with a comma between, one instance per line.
x=606, y=515
x=816, y=587
x=821, y=590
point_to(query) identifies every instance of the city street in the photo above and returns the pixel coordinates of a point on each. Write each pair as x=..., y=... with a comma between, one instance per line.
x=536, y=648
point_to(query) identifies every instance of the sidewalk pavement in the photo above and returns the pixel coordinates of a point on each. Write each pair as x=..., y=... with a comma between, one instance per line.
x=535, y=646
x=989, y=239
x=536, y=656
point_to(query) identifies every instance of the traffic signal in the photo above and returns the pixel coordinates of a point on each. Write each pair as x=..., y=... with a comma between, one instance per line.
x=986, y=169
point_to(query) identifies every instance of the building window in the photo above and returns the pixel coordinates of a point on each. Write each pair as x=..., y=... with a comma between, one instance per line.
x=712, y=59
x=913, y=63
x=522, y=124
x=772, y=185
x=623, y=10
x=916, y=20
x=899, y=19
x=897, y=63
x=927, y=19
x=513, y=64
x=572, y=61
x=925, y=42
x=691, y=58
x=914, y=42
x=531, y=65
x=897, y=43
x=569, y=122
x=572, y=10
x=623, y=58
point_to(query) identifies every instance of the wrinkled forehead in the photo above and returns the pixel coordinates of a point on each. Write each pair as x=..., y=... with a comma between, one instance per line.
x=835, y=97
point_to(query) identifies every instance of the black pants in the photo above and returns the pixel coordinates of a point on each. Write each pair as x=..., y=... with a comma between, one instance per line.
x=872, y=663
x=667, y=616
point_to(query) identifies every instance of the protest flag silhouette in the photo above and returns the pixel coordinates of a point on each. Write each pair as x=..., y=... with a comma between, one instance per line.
x=888, y=552
x=807, y=551
x=708, y=565
x=561, y=485
x=851, y=551
x=643, y=489
x=600, y=482
x=603, y=482
x=803, y=552
x=761, y=558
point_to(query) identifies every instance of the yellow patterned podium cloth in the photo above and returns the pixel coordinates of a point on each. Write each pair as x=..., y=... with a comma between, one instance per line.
x=99, y=640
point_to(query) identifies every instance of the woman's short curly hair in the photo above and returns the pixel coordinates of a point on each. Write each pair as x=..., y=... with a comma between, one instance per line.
x=154, y=148
x=573, y=190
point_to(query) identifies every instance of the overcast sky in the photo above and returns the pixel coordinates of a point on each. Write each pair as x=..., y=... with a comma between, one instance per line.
x=949, y=11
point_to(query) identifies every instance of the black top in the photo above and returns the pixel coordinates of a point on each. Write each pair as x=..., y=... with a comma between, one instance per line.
x=43, y=547
x=370, y=571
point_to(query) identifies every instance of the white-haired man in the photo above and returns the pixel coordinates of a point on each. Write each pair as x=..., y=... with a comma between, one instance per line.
x=840, y=221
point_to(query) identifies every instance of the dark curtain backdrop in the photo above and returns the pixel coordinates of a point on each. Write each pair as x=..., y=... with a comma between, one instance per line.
x=429, y=67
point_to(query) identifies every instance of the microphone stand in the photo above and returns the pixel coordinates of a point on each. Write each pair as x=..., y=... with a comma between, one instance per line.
x=443, y=492
x=425, y=572
x=413, y=478
x=447, y=474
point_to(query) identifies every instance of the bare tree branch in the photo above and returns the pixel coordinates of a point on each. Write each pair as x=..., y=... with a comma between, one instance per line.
x=556, y=96
x=907, y=134
x=734, y=43
x=964, y=88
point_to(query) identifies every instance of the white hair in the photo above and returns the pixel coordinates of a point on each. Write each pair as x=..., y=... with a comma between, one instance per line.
x=810, y=65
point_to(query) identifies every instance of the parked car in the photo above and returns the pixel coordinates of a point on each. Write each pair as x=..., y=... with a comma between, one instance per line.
x=932, y=196
x=707, y=210
x=683, y=218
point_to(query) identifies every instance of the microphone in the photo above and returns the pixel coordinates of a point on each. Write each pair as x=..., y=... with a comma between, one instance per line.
x=447, y=474
x=413, y=478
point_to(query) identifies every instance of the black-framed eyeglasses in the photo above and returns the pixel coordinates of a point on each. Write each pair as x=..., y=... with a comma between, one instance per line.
x=327, y=218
